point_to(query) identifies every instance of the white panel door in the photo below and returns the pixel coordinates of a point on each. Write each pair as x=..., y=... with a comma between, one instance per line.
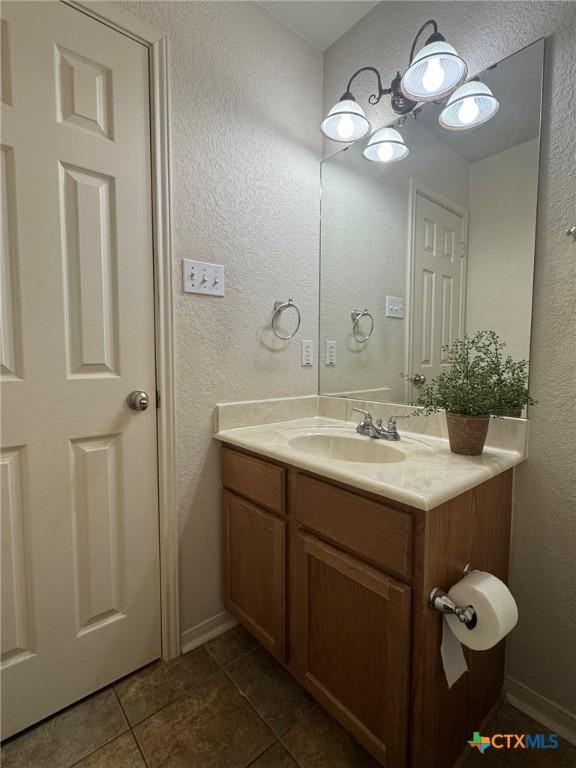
x=80, y=552
x=438, y=284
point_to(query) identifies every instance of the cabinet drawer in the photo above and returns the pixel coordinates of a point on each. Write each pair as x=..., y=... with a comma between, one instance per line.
x=254, y=479
x=375, y=532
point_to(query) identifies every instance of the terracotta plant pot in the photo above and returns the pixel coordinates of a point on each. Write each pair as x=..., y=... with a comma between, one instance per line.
x=467, y=434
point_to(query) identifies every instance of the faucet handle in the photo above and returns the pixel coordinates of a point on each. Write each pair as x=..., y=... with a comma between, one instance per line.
x=392, y=420
x=367, y=414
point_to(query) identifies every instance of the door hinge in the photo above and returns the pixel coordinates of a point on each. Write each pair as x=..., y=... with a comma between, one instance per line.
x=158, y=399
x=462, y=249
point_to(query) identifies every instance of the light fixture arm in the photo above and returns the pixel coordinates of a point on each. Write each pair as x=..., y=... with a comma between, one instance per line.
x=435, y=37
x=375, y=97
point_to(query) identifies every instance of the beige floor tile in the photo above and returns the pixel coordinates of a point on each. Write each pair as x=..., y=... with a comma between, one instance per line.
x=231, y=645
x=123, y=752
x=190, y=714
x=160, y=683
x=62, y=740
x=212, y=727
x=318, y=741
x=271, y=690
x=275, y=757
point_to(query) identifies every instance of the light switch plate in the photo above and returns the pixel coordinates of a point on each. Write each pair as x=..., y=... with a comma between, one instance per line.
x=394, y=306
x=202, y=277
x=330, y=358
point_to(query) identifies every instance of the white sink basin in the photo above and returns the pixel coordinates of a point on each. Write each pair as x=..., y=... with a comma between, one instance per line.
x=347, y=448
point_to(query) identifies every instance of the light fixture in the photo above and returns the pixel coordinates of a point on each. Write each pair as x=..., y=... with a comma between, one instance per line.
x=435, y=70
x=433, y=73
x=469, y=106
x=385, y=146
x=346, y=121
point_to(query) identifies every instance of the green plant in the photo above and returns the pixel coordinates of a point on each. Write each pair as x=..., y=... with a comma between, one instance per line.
x=481, y=380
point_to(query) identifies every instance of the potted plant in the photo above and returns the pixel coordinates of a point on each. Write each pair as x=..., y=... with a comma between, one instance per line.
x=481, y=381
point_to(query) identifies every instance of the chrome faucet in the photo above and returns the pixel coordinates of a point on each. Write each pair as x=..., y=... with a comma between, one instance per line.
x=368, y=428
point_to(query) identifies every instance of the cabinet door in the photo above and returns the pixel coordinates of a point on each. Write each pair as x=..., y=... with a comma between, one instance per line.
x=255, y=571
x=353, y=645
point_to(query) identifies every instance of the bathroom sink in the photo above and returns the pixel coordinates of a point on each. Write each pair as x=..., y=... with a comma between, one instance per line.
x=347, y=448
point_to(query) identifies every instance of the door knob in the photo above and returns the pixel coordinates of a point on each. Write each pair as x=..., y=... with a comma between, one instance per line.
x=138, y=400
x=418, y=378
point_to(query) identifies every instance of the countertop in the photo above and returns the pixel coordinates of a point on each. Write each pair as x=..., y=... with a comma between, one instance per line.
x=430, y=474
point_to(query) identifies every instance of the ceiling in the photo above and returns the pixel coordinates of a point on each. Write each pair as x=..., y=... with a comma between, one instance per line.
x=320, y=22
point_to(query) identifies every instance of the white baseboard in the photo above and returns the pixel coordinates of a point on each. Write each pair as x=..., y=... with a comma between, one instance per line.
x=206, y=630
x=551, y=715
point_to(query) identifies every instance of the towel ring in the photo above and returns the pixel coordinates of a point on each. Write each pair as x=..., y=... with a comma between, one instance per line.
x=357, y=315
x=280, y=306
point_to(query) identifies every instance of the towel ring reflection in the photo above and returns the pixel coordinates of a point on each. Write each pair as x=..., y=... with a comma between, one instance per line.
x=279, y=307
x=357, y=315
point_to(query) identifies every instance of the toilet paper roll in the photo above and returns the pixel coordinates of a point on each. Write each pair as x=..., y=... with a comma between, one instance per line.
x=496, y=610
x=453, y=659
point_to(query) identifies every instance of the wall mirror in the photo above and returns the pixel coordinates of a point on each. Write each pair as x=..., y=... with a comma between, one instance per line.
x=417, y=252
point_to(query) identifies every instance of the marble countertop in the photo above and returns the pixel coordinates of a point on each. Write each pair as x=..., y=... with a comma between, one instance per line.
x=430, y=474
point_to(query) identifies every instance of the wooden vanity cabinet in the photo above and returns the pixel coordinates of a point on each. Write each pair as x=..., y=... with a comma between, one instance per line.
x=335, y=583
x=350, y=643
x=255, y=571
x=255, y=532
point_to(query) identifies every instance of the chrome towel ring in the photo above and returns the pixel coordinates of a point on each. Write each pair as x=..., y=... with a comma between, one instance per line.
x=279, y=307
x=357, y=315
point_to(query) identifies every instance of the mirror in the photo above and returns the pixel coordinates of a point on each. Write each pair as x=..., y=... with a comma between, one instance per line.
x=418, y=252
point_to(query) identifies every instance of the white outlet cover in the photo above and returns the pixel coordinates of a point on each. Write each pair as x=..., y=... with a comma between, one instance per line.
x=307, y=353
x=330, y=357
x=202, y=277
x=394, y=306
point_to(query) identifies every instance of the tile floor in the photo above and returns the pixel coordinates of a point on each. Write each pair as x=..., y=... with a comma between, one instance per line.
x=227, y=704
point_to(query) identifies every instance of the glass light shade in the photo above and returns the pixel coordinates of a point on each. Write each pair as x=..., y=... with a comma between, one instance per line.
x=435, y=71
x=346, y=121
x=469, y=106
x=385, y=146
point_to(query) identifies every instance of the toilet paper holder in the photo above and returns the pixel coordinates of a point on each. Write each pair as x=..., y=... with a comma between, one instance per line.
x=439, y=601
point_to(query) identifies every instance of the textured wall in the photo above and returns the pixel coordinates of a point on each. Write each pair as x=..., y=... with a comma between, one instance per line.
x=246, y=101
x=541, y=649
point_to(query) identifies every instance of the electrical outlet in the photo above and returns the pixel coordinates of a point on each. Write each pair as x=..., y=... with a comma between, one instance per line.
x=307, y=353
x=202, y=277
x=330, y=353
x=394, y=306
